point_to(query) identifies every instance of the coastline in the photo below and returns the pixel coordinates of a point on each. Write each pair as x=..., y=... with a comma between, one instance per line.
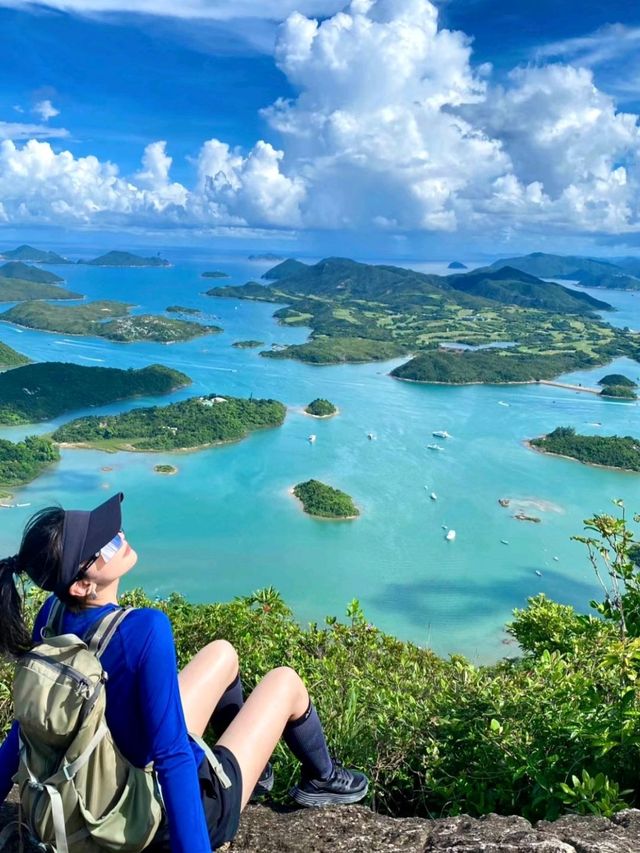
x=527, y=443
x=290, y=491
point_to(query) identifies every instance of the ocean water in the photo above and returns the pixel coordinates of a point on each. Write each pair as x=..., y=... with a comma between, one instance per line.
x=226, y=525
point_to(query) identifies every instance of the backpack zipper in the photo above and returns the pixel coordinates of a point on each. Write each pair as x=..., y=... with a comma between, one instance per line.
x=63, y=668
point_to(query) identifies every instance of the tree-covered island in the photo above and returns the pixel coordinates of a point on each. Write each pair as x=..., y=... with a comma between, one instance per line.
x=250, y=344
x=22, y=462
x=106, y=319
x=182, y=309
x=25, y=272
x=610, y=451
x=324, y=501
x=42, y=391
x=126, y=259
x=188, y=425
x=215, y=274
x=321, y=408
x=29, y=253
x=618, y=385
x=360, y=312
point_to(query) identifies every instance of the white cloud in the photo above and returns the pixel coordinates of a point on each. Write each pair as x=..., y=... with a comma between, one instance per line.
x=392, y=129
x=19, y=130
x=45, y=110
x=611, y=42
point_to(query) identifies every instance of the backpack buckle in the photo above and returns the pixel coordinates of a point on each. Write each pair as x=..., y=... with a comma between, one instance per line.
x=68, y=774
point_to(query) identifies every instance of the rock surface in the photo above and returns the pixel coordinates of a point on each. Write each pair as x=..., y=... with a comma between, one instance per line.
x=357, y=829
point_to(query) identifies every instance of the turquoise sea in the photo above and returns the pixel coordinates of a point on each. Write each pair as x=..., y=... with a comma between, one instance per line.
x=226, y=524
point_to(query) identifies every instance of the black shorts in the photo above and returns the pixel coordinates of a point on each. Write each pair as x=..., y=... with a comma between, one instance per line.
x=221, y=805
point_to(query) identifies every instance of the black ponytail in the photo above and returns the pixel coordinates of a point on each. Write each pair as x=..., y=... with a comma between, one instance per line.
x=40, y=557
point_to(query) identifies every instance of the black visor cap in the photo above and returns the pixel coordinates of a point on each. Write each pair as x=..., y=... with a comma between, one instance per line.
x=84, y=533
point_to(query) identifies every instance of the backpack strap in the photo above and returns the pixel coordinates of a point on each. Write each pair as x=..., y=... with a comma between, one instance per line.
x=215, y=764
x=100, y=635
x=54, y=619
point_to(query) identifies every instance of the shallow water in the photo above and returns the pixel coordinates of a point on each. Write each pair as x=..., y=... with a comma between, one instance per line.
x=226, y=525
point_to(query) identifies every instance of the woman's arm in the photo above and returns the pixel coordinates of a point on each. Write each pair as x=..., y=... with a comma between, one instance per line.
x=173, y=756
x=9, y=758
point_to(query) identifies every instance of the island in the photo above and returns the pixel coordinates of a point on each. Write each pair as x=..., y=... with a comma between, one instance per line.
x=25, y=272
x=9, y=358
x=322, y=501
x=215, y=274
x=22, y=462
x=321, y=408
x=182, y=309
x=267, y=256
x=457, y=265
x=126, y=259
x=189, y=425
x=42, y=391
x=362, y=312
x=169, y=470
x=619, y=452
x=621, y=274
x=247, y=344
x=618, y=385
x=106, y=319
x=38, y=256
x=19, y=290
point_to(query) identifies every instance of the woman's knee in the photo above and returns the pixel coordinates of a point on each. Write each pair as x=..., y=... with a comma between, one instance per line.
x=287, y=680
x=224, y=655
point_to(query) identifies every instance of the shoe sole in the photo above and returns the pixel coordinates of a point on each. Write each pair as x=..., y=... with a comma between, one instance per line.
x=322, y=799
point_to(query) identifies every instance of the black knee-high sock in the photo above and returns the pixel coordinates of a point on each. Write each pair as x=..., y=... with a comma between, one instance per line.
x=230, y=703
x=307, y=742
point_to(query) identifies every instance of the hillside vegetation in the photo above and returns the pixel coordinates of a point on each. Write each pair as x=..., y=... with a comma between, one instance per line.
x=610, y=450
x=16, y=269
x=40, y=392
x=10, y=358
x=126, y=259
x=591, y=272
x=323, y=501
x=28, y=253
x=197, y=422
x=18, y=290
x=25, y=460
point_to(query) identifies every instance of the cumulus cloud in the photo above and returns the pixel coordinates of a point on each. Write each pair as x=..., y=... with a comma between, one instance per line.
x=45, y=110
x=392, y=128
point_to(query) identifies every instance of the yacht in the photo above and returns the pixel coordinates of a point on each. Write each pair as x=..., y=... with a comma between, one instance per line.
x=539, y=573
x=505, y=541
x=433, y=496
x=441, y=433
x=434, y=447
x=312, y=438
x=450, y=536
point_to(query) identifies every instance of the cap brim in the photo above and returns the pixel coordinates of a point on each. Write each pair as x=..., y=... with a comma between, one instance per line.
x=104, y=522
x=84, y=534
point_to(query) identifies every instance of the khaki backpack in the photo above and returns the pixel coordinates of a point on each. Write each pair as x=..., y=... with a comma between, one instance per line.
x=77, y=791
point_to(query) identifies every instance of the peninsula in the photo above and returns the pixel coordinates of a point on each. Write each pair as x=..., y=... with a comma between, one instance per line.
x=25, y=272
x=22, y=462
x=360, y=312
x=321, y=408
x=20, y=290
x=322, y=501
x=10, y=358
x=42, y=391
x=621, y=274
x=620, y=452
x=126, y=259
x=105, y=319
x=28, y=253
x=189, y=425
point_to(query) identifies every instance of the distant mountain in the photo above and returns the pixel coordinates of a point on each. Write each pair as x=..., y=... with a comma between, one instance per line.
x=268, y=256
x=591, y=272
x=457, y=265
x=512, y=287
x=28, y=253
x=16, y=269
x=126, y=259
x=285, y=269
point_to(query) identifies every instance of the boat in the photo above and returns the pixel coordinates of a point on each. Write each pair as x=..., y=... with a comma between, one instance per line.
x=502, y=403
x=434, y=447
x=539, y=573
x=312, y=438
x=557, y=559
x=371, y=436
x=441, y=433
x=505, y=541
x=444, y=526
x=450, y=536
x=433, y=496
x=23, y=504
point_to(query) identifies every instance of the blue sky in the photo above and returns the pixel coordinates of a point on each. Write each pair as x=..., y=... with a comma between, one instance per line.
x=387, y=131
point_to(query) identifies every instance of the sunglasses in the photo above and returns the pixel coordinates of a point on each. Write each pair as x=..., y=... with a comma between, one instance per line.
x=107, y=552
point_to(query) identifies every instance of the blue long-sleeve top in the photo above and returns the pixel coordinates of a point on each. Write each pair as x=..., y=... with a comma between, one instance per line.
x=144, y=713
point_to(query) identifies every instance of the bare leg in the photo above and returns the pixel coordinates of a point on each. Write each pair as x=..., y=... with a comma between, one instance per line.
x=252, y=736
x=203, y=681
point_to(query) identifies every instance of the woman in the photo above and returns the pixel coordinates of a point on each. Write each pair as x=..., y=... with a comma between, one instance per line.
x=80, y=557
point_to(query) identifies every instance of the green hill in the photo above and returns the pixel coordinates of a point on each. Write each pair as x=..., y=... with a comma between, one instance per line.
x=24, y=461
x=285, y=269
x=40, y=392
x=17, y=290
x=38, y=256
x=126, y=259
x=591, y=272
x=490, y=366
x=10, y=358
x=16, y=269
x=193, y=423
x=613, y=451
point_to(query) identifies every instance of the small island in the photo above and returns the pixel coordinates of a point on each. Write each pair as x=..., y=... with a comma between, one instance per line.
x=22, y=462
x=38, y=256
x=46, y=390
x=126, y=259
x=247, y=344
x=189, y=425
x=215, y=274
x=169, y=470
x=267, y=256
x=321, y=408
x=182, y=309
x=457, y=265
x=618, y=385
x=619, y=452
x=322, y=501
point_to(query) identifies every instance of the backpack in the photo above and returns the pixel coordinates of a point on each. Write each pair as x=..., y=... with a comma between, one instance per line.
x=77, y=791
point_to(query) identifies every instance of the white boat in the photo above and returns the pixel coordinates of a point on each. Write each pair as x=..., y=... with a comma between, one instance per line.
x=312, y=438
x=557, y=559
x=434, y=447
x=444, y=526
x=539, y=573
x=504, y=541
x=23, y=504
x=450, y=536
x=370, y=436
x=433, y=496
x=441, y=433
x=502, y=403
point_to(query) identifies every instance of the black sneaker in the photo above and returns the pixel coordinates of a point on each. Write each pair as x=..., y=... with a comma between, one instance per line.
x=341, y=788
x=264, y=784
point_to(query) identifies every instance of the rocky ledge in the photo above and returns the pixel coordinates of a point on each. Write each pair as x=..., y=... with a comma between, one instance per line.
x=359, y=830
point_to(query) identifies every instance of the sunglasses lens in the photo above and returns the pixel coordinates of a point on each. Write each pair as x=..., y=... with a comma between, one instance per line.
x=112, y=548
